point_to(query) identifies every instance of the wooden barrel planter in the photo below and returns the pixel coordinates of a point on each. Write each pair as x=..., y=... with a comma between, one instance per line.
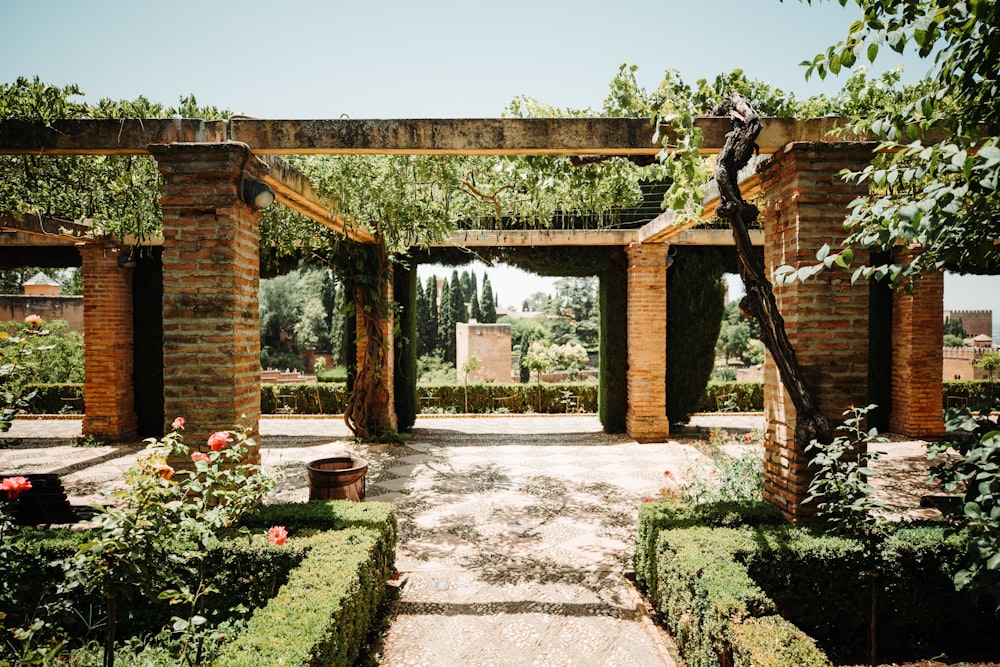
x=337, y=478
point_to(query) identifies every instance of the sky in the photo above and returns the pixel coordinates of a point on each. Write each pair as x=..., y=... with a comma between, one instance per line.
x=430, y=59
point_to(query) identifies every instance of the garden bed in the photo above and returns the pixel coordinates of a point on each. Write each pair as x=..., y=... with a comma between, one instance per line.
x=315, y=600
x=735, y=585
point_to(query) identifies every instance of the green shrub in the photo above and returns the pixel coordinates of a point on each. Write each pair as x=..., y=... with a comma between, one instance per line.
x=54, y=399
x=325, y=611
x=974, y=394
x=312, y=398
x=699, y=576
x=733, y=397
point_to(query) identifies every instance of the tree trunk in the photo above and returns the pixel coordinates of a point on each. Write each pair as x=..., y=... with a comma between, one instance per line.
x=759, y=301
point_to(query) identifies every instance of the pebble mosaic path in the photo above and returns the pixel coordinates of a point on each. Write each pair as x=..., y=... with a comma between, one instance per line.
x=515, y=533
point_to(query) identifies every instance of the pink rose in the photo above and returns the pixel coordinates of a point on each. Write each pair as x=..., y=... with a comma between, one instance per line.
x=218, y=440
x=178, y=423
x=200, y=456
x=14, y=486
x=165, y=471
x=277, y=535
x=33, y=319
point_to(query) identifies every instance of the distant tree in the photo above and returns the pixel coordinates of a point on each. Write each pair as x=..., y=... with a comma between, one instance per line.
x=447, y=320
x=457, y=296
x=429, y=326
x=487, y=304
x=475, y=313
x=465, y=280
x=537, y=302
x=955, y=327
x=422, y=318
x=951, y=340
x=328, y=297
x=539, y=359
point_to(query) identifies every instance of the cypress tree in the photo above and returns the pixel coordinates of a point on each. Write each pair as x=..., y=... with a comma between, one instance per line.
x=475, y=313
x=431, y=324
x=487, y=305
x=446, y=321
x=461, y=312
x=422, y=317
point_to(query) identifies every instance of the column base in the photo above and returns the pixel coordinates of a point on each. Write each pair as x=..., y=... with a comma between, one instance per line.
x=647, y=429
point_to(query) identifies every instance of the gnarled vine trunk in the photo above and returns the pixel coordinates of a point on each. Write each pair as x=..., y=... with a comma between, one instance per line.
x=759, y=301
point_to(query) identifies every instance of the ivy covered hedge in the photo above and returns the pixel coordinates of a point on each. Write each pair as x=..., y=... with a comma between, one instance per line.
x=736, y=585
x=974, y=394
x=54, y=399
x=733, y=397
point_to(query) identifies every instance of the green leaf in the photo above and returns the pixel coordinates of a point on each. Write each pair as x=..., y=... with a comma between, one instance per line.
x=872, y=52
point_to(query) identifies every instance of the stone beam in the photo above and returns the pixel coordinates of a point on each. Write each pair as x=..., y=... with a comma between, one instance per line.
x=294, y=190
x=502, y=136
x=44, y=230
x=105, y=136
x=484, y=238
x=448, y=136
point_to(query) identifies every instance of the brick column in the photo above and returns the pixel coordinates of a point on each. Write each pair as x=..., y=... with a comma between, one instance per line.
x=918, y=359
x=108, y=392
x=211, y=331
x=826, y=317
x=386, y=390
x=646, y=417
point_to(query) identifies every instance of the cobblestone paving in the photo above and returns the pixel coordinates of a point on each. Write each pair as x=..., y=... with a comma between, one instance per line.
x=516, y=533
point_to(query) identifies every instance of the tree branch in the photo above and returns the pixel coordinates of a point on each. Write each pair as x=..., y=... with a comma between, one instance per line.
x=759, y=301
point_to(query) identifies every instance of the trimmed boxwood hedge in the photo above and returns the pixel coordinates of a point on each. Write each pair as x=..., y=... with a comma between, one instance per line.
x=330, y=580
x=766, y=593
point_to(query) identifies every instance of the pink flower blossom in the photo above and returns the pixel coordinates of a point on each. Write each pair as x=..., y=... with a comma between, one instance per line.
x=218, y=440
x=178, y=423
x=200, y=456
x=277, y=535
x=14, y=486
x=649, y=500
x=667, y=473
x=165, y=471
x=33, y=319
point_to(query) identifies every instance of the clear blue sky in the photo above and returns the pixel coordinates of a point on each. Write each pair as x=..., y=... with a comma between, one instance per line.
x=382, y=59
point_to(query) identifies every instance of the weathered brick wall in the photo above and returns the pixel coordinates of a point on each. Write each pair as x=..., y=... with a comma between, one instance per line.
x=108, y=346
x=490, y=343
x=15, y=307
x=917, y=359
x=975, y=322
x=646, y=417
x=211, y=333
x=826, y=317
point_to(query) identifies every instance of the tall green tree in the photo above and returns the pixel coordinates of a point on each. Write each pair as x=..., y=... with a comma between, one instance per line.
x=429, y=326
x=458, y=299
x=955, y=327
x=447, y=320
x=475, y=313
x=487, y=304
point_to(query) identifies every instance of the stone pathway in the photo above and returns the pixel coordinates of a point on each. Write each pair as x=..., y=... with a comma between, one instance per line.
x=516, y=533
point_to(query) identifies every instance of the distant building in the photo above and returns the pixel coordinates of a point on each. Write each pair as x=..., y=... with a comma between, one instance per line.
x=960, y=362
x=41, y=297
x=976, y=322
x=490, y=343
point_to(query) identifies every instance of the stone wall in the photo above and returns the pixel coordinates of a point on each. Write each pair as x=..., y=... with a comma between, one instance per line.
x=15, y=307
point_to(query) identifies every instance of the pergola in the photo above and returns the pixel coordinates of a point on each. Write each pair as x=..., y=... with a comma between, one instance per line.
x=211, y=265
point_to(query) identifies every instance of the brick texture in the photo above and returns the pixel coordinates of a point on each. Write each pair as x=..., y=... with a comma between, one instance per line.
x=918, y=359
x=108, y=346
x=211, y=332
x=826, y=317
x=646, y=417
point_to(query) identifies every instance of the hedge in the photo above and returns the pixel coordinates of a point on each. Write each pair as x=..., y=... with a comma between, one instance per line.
x=767, y=593
x=330, y=397
x=330, y=580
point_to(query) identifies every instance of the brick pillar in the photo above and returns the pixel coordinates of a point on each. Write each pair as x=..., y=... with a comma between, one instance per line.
x=211, y=331
x=108, y=358
x=826, y=317
x=918, y=359
x=386, y=390
x=646, y=417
